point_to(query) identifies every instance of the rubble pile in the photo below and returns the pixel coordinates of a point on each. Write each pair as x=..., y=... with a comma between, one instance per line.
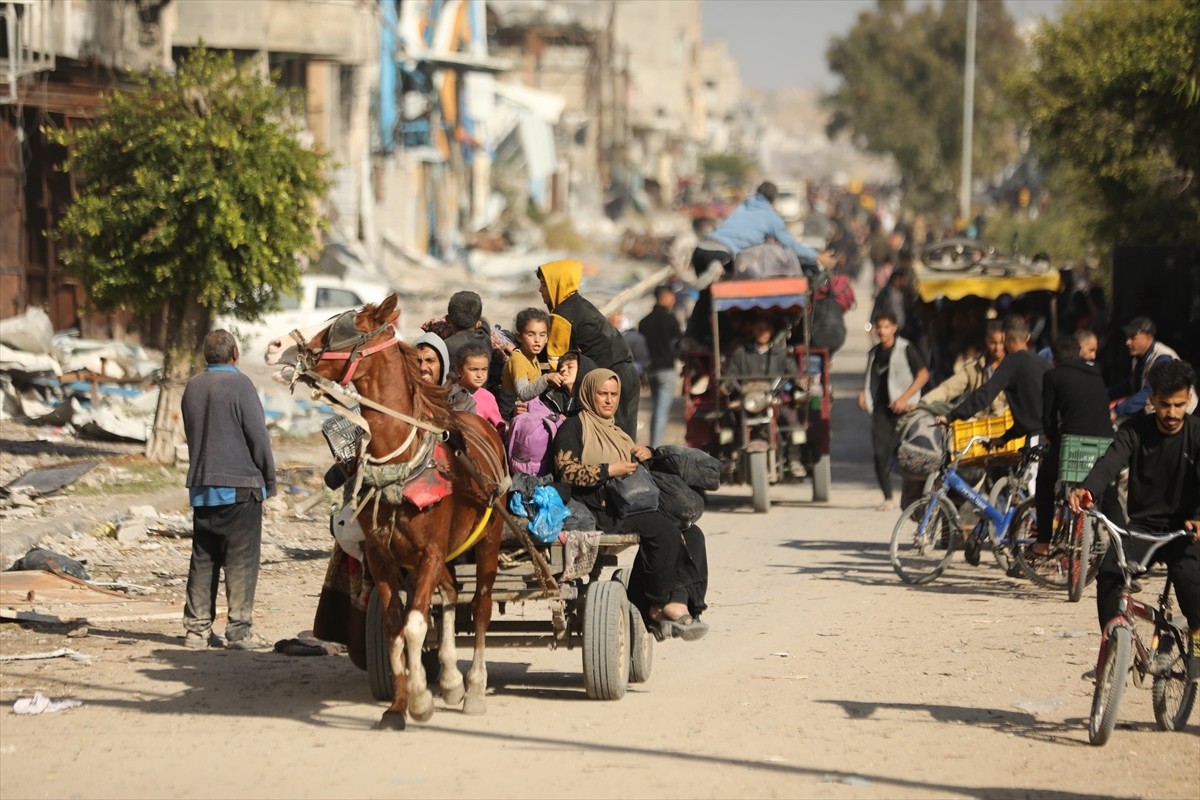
x=99, y=389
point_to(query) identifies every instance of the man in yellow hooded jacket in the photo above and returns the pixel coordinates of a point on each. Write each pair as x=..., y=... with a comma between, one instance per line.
x=576, y=324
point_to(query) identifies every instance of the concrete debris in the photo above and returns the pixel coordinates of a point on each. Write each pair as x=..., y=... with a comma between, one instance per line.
x=133, y=530
x=31, y=332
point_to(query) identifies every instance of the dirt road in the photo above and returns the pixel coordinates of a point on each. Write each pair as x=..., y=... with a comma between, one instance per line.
x=823, y=676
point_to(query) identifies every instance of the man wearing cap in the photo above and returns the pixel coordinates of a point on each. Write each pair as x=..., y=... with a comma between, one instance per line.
x=1147, y=351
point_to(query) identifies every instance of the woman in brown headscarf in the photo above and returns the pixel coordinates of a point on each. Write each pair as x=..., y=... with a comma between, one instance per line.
x=670, y=574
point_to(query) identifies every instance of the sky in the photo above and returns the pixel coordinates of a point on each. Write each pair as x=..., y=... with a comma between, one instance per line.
x=781, y=43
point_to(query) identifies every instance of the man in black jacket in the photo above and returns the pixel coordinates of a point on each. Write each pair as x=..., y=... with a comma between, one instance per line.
x=1019, y=376
x=661, y=330
x=1073, y=403
x=1162, y=451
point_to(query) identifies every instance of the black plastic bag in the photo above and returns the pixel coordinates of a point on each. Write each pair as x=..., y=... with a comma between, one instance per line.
x=41, y=559
x=698, y=469
x=633, y=493
x=677, y=500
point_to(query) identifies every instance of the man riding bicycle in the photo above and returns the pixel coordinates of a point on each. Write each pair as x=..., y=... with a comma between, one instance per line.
x=1162, y=452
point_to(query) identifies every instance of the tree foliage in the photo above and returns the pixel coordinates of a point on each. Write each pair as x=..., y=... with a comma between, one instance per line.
x=198, y=199
x=196, y=187
x=730, y=168
x=1114, y=110
x=901, y=92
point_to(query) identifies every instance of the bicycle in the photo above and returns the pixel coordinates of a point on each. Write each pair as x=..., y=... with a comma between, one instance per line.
x=919, y=556
x=1075, y=550
x=1122, y=648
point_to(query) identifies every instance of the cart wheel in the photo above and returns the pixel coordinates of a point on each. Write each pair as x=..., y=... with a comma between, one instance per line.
x=758, y=481
x=379, y=663
x=821, y=478
x=606, y=641
x=641, y=642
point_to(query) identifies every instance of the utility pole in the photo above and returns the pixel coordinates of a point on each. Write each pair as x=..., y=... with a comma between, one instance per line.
x=964, y=193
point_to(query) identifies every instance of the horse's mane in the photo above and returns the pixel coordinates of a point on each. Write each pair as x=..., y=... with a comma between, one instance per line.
x=430, y=403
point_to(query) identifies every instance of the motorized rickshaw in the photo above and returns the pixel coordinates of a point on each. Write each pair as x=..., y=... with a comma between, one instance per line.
x=770, y=428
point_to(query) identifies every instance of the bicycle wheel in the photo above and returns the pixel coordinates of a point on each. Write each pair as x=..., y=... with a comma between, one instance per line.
x=921, y=546
x=1079, y=555
x=1173, y=693
x=1110, y=685
x=1004, y=494
x=1049, y=570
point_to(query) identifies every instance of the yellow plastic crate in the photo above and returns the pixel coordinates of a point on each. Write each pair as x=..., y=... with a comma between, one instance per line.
x=988, y=427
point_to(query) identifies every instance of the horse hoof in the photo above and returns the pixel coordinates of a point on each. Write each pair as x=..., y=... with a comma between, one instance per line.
x=392, y=721
x=474, y=706
x=453, y=695
x=420, y=707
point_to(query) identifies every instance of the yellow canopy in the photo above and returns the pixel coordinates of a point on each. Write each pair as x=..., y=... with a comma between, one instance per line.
x=932, y=285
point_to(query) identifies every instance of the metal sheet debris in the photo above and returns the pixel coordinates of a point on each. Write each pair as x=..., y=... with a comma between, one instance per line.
x=47, y=480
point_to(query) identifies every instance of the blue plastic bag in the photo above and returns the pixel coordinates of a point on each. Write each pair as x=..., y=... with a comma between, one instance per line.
x=516, y=504
x=551, y=511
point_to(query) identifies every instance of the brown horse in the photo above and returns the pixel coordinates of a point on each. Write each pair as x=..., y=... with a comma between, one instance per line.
x=432, y=476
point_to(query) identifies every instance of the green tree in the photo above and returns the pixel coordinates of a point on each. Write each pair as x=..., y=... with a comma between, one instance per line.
x=730, y=168
x=198, y=199
x=1114, y=111
x=900, y=92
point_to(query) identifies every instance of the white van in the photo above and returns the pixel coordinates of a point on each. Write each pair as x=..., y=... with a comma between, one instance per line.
x=321, y=297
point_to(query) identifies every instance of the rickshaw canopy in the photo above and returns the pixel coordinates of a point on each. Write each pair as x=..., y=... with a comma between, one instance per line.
x=773, y=294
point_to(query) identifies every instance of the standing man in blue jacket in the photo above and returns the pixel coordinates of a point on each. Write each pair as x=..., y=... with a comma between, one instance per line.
x=231, y=472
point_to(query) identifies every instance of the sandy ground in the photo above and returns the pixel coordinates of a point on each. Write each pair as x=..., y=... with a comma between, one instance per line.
x=823, y=676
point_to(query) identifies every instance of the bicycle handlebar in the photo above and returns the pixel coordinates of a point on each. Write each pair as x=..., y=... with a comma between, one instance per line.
x=1115, y=532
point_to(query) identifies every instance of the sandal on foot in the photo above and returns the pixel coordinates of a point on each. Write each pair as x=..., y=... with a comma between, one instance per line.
x=686, y=628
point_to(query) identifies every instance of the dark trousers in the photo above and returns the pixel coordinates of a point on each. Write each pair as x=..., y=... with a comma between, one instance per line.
x=225, y=538
x=1043, y=494
x=699, y=326
x=1182, y=558
x=669, y=566
x=883, y=442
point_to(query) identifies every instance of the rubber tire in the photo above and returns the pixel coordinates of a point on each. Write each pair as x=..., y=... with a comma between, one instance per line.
x=1025, y=522
x=606, y=641
x=1079, y=564
x=1001, y=500
x=641, y=641
x=944, y=509
x=1110, y=685
x=1173, y=718
x=758, y=482
x=822, y=479
x=379, y=663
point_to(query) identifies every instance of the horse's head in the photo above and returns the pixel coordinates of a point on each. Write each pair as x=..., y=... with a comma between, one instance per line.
x=334, y=348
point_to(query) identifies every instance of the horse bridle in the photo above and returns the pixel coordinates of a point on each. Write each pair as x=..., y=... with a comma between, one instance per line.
x=339, y=336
